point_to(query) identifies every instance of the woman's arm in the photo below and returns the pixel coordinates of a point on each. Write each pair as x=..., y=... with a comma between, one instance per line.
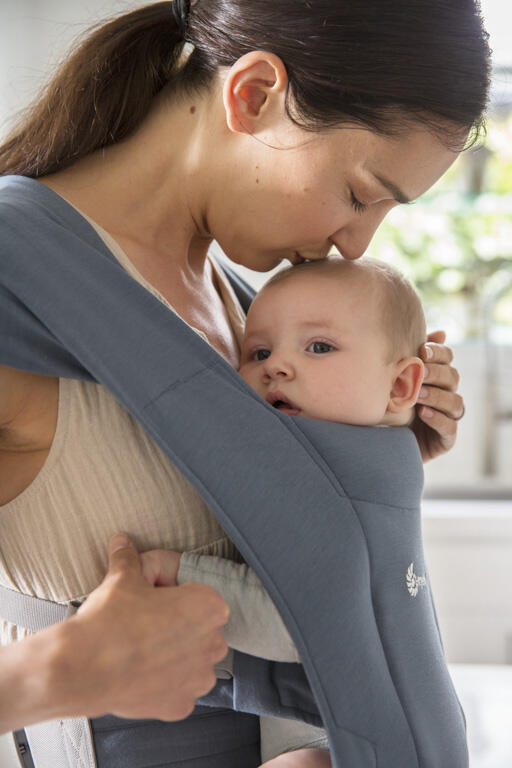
x=131, y=650
x=440, y=407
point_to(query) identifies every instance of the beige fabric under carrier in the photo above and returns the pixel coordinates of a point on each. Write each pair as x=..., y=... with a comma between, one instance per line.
x=103, y=475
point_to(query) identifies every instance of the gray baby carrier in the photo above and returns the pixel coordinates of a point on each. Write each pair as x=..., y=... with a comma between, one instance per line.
x=326, y=514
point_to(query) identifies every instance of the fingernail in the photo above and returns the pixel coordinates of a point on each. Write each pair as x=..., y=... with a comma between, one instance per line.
x=427, y=413
x=119, y=541
x=429, y=352
x=423, y=393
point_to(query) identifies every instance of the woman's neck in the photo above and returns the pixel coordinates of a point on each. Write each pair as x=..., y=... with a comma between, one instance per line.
x=149, y=192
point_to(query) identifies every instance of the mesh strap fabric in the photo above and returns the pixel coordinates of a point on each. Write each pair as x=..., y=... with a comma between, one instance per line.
x=62, y=744
x=32, y=613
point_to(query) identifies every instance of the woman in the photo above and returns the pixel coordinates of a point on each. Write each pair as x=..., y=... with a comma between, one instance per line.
x=289, y=129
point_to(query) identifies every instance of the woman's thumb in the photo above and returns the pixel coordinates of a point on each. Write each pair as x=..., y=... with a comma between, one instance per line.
x=122, y=555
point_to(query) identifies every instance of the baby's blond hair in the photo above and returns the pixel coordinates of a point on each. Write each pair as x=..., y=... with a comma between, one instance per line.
x=400, y=306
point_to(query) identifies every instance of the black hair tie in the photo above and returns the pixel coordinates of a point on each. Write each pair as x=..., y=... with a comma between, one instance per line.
x=181, y=11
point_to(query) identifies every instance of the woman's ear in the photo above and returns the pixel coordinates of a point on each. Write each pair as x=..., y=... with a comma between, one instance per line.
x=406, y=385
x=254, y=92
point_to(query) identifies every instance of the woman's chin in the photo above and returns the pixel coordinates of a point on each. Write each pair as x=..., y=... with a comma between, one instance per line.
x=258, y=262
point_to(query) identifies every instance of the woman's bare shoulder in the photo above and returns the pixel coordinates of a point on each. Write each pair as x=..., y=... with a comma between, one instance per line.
x=28, y=417
x=23, y=398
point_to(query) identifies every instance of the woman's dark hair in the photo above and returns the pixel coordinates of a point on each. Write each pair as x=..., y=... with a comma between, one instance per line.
x=380, y=65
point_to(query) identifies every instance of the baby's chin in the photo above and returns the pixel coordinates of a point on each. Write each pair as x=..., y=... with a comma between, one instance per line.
x=402, y=419
x=341, y=418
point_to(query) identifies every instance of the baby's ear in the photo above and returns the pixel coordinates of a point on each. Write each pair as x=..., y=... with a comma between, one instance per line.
x=406, y=385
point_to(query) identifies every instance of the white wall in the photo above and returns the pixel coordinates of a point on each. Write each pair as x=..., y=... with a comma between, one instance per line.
x=34, y=35
x=462, y=469
x=498, y=17
x=468, y=549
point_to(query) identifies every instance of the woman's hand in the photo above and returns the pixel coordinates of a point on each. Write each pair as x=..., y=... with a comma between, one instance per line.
x=143, y=652
x=439, y=405
x=160, y=567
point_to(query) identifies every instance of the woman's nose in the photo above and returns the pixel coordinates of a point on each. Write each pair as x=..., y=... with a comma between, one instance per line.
x=353, y=239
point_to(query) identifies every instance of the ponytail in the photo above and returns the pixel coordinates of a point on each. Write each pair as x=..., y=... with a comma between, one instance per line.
x=379, y=66
x=100, y=94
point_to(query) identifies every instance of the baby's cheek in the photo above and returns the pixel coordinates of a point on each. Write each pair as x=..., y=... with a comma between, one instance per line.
x=249, y=374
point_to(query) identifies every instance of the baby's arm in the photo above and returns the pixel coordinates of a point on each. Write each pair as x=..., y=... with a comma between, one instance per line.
x=255, y=626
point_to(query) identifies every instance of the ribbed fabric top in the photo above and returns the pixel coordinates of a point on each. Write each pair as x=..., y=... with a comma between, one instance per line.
x=103, y=474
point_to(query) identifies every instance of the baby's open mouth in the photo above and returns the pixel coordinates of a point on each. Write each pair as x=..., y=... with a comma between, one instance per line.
x=282, y=403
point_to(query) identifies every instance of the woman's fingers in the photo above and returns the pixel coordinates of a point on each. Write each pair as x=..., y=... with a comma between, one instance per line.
x=439, y=405
x=441, y=375
x=436, y=353
x=438, y=337
x=441, y=433
x=449, y=403
x=437, y=358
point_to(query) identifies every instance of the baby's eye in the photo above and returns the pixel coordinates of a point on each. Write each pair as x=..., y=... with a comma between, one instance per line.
x=261, y=354
x=319, y=347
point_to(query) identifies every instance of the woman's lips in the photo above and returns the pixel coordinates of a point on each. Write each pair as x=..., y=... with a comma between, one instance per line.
x=297, y=259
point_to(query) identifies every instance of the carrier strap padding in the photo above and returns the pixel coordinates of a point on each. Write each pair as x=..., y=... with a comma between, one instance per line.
x=32, y=613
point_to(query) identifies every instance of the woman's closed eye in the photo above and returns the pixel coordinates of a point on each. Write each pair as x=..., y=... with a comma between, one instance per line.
x=320, y=347
x=357, y=205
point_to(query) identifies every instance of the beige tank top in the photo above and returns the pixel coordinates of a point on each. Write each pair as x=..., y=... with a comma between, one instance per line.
x=103, y=474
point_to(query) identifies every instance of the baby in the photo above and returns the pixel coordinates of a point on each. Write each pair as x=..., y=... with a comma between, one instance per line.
x=337, y=340
x=334, y=340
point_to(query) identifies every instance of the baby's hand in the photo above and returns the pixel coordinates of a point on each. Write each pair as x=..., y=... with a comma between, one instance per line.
x=160, y=567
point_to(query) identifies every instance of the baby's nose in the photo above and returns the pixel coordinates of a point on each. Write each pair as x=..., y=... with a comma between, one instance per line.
x=278, y=367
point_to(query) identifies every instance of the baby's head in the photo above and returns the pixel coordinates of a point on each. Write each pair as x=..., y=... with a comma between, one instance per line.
x=337, y=340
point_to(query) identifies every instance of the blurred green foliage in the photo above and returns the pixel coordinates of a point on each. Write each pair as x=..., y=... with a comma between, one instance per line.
x=455, y=243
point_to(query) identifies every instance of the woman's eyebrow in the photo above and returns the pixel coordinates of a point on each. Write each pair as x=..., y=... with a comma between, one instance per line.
x=397, y=193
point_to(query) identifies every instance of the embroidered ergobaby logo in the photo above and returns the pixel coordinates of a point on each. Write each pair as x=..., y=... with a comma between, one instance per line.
x=414, y=583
